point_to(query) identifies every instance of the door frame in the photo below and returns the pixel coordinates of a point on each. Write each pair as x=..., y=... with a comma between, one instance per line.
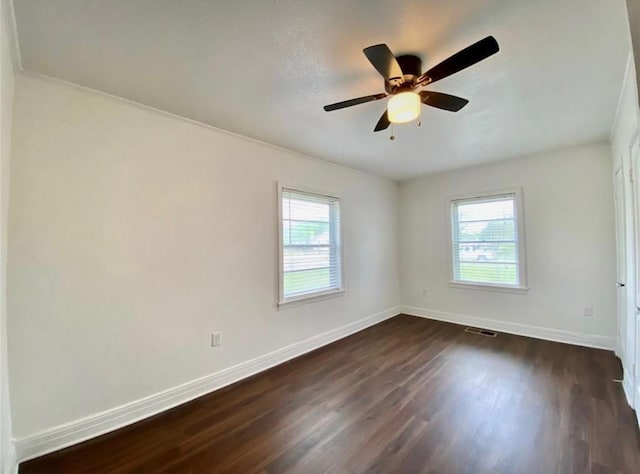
x=622, y=267
x=634, y=318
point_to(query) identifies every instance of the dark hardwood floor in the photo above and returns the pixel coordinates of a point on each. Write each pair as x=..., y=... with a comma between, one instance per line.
x=407, y=395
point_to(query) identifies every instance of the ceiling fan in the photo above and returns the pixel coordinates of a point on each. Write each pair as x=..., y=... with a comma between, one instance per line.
x=403, y=77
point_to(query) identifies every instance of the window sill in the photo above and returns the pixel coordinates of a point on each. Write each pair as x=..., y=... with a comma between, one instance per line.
x=519, y=290
x=311, y=298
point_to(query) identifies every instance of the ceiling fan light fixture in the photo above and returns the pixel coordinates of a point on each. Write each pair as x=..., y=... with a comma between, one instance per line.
x=403, y=107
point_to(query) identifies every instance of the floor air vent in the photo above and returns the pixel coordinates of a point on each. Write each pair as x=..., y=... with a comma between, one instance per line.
x=481, y=332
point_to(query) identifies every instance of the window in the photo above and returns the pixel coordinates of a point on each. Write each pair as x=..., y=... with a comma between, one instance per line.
x=487, y=240
x=310, y=246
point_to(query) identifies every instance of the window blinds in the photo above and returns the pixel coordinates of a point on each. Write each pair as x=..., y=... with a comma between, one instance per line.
x=311, y=258
x=485, y=240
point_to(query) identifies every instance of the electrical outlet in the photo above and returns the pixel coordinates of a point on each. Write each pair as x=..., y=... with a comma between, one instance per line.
x=588, y=311
x=216, y=339
x=424, y=293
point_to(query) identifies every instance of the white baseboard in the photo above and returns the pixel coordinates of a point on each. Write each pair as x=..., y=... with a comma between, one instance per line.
x=557, y=335
x=91, y=426
x=627, y=388
x=638, y=411
x=627, y=383
x=617, y=349
x=10, y=465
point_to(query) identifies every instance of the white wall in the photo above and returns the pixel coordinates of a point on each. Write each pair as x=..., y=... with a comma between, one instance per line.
x=6, y=108
x=133, y=235
x=633, y=13
x=570, y=242
x=623, y=131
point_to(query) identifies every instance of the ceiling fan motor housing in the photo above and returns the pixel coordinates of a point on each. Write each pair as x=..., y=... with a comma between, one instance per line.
x=411, y=68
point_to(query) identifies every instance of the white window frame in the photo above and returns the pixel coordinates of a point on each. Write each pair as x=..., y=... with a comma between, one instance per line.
x=521, y=288
x=317, y=295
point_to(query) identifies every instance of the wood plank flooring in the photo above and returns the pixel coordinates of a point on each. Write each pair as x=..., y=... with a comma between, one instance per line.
x=407, y=395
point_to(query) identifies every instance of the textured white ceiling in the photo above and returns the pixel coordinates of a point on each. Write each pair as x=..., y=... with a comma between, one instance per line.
x=264, y=69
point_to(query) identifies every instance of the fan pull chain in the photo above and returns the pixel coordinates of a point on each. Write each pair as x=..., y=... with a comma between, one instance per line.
x=392, y=137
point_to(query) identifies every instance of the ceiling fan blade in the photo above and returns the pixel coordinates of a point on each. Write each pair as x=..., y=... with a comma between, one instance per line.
x=383, y=123
x=351, y=102
x=384, y=61
x=461, y=60
x=443, y=101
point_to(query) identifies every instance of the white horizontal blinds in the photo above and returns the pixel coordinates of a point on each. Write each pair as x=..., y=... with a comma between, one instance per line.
x=485, y=240
x=311, y=243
